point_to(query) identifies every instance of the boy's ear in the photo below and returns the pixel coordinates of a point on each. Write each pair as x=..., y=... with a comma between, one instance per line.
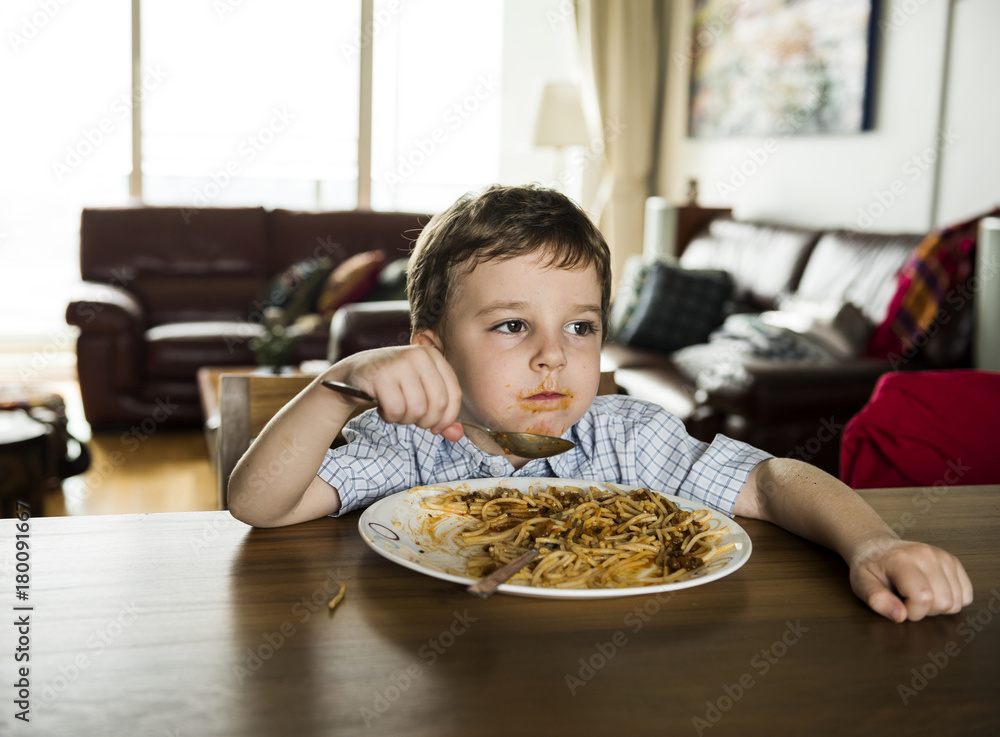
x=427, y=337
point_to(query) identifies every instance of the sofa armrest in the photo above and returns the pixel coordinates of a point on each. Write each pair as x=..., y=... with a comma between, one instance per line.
x=361, y=326
x=783, y=392
x=102, y=308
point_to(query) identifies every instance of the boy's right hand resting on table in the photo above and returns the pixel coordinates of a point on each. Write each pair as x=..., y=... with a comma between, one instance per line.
x=275, y=482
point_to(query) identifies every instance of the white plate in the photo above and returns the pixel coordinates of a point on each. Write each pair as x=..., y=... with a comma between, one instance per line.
x=396, y=528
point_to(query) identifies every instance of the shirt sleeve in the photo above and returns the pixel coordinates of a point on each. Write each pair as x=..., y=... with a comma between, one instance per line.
x=375, y=462
x=711, y=474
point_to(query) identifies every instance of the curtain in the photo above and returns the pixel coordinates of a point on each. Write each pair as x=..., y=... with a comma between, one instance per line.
x=621, y=50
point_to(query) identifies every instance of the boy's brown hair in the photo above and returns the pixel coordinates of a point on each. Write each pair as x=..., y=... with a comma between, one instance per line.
x=499, y=224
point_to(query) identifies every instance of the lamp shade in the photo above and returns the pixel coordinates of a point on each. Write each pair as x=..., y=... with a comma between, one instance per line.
x=561, y=121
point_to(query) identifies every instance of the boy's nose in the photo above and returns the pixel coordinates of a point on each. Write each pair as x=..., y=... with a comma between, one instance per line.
x=550, y=353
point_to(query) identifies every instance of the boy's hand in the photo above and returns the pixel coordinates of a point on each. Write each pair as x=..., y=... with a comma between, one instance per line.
x=907, y=580
x=414, y=385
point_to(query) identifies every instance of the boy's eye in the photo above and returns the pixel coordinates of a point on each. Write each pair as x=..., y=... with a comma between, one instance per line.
x=510, y=326
x=584, y=327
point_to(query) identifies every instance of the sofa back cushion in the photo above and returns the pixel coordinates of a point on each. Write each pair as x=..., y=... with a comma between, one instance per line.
x=338, y=235
x=855, y=267
x=180, y=263
x=764, y=260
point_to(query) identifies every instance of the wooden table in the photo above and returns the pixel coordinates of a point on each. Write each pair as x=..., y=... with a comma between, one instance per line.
x=194, y=624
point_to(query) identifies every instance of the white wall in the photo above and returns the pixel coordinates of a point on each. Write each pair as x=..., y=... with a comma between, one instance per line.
x=831, y=180
x=971, y=168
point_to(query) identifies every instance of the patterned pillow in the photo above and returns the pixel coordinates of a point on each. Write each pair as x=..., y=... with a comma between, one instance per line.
x=634, y=275
x=295, y=289
x=350, y=281
x=677, y=307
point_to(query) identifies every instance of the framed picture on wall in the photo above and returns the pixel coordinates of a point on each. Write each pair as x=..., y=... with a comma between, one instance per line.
x=782, y=67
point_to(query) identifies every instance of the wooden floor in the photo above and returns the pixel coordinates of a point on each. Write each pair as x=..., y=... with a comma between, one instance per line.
x=164, y=471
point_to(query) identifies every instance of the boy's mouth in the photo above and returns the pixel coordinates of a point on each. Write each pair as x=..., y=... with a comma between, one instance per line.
x=544, y=400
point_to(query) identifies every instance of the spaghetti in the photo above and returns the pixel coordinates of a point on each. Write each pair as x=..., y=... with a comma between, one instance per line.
x=594, y=538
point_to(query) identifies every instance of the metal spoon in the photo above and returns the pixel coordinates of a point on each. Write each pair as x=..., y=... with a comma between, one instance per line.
x=522, y=444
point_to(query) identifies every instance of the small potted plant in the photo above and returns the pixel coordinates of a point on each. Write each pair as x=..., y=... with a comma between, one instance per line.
x=273, y=347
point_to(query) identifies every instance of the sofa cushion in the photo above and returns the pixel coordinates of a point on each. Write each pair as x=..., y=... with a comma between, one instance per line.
x=764, y=260
x=840, y=328
x=677, y=307
x=349, y=282
x=860, y=268
x=178, y=350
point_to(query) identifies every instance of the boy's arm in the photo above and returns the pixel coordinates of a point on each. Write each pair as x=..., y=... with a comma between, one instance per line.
x=898, y=579
x=275, y=482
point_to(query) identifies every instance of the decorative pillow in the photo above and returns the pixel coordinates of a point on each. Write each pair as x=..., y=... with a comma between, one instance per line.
x=634, y=275
x=295, y=290
x=350, y=281
x=391, y=282
x=838, y=327
x=943, y=260
x=677, y=307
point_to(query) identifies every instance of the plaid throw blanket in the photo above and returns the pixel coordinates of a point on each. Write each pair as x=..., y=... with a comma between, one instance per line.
x=942, y=260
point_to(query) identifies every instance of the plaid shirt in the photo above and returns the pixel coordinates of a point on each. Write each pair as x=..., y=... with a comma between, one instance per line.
x=620, y=439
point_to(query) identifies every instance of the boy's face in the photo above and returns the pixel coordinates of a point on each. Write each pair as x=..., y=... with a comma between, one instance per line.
x=524, y=339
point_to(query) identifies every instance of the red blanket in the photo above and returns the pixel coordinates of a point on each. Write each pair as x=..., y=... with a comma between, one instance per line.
x=925, y=428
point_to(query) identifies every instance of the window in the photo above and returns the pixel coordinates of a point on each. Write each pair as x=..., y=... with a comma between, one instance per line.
x=246, y=103
x=252, y=103
x=66, y=133
x=436, y=101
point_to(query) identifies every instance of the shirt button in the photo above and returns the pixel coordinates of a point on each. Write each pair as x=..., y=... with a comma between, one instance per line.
x=496, y=469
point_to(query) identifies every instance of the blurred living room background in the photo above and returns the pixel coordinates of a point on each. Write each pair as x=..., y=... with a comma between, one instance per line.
x=404, y=105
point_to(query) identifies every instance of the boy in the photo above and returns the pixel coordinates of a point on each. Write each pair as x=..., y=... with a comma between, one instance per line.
x=509, y=295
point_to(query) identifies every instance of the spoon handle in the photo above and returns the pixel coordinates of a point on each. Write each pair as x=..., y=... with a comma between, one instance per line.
x=486, y=586
x=348, y=389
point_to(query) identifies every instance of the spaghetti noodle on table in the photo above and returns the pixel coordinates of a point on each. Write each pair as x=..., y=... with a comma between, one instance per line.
x=587, y=538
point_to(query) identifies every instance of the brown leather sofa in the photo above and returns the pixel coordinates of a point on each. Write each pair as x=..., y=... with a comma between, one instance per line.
x=787, y=408
x=168, y=290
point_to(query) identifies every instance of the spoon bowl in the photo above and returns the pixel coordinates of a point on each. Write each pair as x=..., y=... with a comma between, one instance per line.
x=522, y=444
